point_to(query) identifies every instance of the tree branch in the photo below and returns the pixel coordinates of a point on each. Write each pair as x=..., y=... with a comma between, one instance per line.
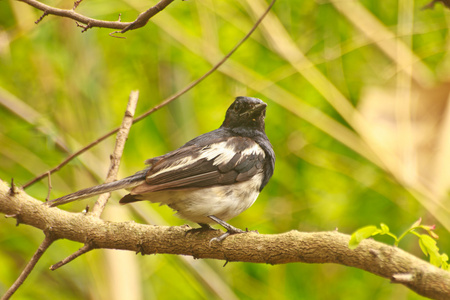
x=317, y=247
x=122, y=136
x=140, y=21
x=100, y=204
x=30, y=266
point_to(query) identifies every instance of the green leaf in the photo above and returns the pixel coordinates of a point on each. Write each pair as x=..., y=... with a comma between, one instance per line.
x=444, y=261
x=435, y=259
x=362, y=234
x=384, y=228
x=427, y=244
x=423, y=247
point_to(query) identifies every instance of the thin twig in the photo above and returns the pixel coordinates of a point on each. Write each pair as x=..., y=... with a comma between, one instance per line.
x=76, y=3
x=99, y=205
x=49, y=186
x=29, y=267
x=157, y=107
x=86, y=248
x=140, y=21
x=122, y=136
x=12, y=190
x=41, y=17
x=432, y=3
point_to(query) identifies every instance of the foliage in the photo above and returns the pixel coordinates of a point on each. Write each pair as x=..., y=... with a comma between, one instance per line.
x=357, y=113
x=427, y=242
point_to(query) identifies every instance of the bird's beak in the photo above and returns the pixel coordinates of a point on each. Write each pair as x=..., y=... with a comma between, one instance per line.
x=259, y=107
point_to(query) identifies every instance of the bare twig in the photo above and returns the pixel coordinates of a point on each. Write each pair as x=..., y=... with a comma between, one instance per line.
x=29, y=267
x=41, y=17
x=143, y=18
x=157, y=107
x=122, y=136
x=99, y=205
x=432, y=3
x=289, y=247
x=86, y=248
x=76, y=3
x=12, y=190
x=49, y=186
x=140, y=21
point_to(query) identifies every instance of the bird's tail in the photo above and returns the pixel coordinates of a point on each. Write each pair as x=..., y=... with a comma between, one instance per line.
x=126, y=183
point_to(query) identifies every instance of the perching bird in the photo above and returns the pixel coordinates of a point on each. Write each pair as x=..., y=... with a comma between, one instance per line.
x=212, y=178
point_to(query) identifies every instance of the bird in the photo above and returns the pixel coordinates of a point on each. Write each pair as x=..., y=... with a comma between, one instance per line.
x=210, y=179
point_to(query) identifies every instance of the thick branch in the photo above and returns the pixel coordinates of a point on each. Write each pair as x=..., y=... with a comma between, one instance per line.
x=140, y=21
x=293, y=246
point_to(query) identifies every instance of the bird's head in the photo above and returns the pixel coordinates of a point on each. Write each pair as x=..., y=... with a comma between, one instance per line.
x=245, y=112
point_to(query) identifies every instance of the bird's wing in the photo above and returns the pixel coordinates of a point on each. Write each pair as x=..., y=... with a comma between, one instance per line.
x=221, y=162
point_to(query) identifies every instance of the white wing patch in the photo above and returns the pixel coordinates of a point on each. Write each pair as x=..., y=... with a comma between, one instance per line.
x=221, y=153
x=255, y=149
x=178, y=164
x=224, y=152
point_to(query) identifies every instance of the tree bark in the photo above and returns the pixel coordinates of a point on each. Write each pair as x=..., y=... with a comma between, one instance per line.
x=293, y=246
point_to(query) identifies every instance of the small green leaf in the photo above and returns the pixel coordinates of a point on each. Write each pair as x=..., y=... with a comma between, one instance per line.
x=423, y=248
x=444, y=262
x=429, y=242
x=435, y=259
x=384, y=228
x=428, y=245
x=362, y=234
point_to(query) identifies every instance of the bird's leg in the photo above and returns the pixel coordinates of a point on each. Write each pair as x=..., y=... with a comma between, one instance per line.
x=225, y=225
x=230, y=229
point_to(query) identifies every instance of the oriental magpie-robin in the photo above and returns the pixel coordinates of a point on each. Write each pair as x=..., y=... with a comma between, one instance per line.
x=212, y=178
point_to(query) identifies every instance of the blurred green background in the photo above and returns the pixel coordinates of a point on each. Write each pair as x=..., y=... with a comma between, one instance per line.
x=358, y=116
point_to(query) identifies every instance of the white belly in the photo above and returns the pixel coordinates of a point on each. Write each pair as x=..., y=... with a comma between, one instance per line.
x=224, y=202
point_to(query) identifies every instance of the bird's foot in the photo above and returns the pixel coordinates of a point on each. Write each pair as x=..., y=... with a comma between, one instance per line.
x=230, y=230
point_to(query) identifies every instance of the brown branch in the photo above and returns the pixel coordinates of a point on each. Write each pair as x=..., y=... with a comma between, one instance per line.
x=49, y=186
x=86, y=248
x=432, y=3
x=29, y=267
x=100, y=204
x=140, y=21
x=294, y=246
x=76, y=3
x=157, y=107
x=122, y=136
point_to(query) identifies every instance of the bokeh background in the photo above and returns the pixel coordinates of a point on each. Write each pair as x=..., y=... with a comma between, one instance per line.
x=358, y=115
